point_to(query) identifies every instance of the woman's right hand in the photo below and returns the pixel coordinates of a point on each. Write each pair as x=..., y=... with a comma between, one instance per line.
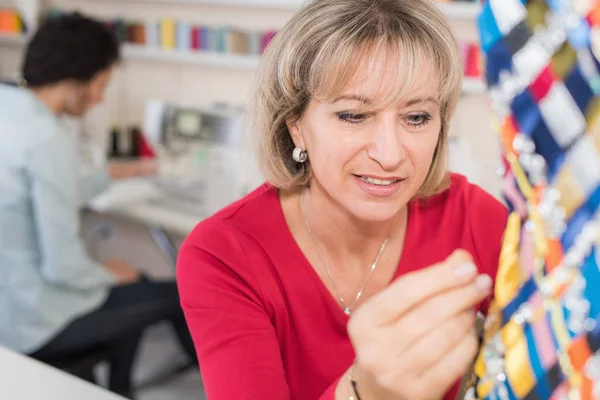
x=416, y=338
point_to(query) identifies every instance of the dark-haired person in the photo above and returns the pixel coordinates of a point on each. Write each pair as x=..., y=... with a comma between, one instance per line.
x=54, y=299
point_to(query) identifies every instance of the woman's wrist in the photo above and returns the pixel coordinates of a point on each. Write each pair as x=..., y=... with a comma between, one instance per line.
x=343, y=390
x=362, y=386
x=350, y=384
x=354, y=392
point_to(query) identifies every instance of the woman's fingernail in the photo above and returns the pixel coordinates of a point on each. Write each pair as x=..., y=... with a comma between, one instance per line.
x=466, y=269
x=483, y=283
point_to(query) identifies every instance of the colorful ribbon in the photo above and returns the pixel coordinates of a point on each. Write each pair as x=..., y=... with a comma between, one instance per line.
x=542, y=334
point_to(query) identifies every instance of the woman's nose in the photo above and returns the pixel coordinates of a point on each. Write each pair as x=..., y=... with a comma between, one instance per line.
x=387, y=147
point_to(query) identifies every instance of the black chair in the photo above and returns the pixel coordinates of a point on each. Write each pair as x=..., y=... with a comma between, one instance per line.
x=81, y=364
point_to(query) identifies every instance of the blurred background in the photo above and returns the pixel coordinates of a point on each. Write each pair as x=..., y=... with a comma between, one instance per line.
x=179, y=96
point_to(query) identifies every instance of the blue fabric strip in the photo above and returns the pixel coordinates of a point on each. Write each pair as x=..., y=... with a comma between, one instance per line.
x=591, y=273
x=489, y=33
x=541, y=388
x=524, y=294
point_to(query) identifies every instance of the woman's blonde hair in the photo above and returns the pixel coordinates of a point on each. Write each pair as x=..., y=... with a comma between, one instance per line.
x=316, y=55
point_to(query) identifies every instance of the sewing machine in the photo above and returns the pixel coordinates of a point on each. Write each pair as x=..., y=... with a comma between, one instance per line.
x=201, y=163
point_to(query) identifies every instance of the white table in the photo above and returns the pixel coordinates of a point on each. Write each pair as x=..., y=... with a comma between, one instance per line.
x=131, y=199
x=22, y=378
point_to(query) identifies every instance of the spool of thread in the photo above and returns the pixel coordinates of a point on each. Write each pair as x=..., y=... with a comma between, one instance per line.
x=202, y=38
x=121, y=30
x=130, y=32
x=10, y=22
x=152, y=34
x=184, y=36
x=167, y=34
x=221, y=39
x=209, y=39
x=196, y=38
x=114, y=143
x=237, y=42
x=137, y=33
x=146, y=148
x=135, y=137
x=254, y=42
x=473, y=66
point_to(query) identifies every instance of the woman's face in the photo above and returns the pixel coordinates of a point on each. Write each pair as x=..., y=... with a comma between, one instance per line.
x=371, y=164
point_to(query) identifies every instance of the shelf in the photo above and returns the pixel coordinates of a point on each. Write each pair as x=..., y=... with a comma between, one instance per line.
x=12, y=40
x=233, y=61
x=455, y=10
x=208, y=59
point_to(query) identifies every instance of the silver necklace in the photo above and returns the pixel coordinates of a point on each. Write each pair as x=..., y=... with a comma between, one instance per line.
x=347, y=309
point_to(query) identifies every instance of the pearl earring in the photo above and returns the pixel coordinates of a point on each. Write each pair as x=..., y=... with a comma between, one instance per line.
x=300, y=155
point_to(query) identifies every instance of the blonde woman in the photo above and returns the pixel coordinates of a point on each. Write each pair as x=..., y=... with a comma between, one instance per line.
x=355, y=272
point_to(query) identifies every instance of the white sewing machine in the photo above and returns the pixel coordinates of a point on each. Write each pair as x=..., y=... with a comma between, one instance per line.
x=202, y=167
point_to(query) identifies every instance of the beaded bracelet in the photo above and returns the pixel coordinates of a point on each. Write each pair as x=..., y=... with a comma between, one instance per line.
x=356, y=396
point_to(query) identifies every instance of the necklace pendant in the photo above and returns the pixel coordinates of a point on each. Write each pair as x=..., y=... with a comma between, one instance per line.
x=347, y=311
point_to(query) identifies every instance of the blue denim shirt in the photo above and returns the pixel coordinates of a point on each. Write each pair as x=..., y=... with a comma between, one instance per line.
x=46, y=277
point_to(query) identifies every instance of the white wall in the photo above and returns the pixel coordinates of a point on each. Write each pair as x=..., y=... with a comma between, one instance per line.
x=475, y=153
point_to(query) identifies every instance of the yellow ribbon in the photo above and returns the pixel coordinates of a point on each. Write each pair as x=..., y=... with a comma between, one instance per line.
x=518, y=370
x=509, y=276
x=520, y=176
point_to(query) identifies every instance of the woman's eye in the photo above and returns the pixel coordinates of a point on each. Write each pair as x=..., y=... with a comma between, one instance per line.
x=418, y=120
x=351, y=118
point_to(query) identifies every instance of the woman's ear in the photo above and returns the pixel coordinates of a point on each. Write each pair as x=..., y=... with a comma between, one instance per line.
x=294, y=127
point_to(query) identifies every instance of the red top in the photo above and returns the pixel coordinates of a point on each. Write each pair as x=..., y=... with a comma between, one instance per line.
x=264, y=324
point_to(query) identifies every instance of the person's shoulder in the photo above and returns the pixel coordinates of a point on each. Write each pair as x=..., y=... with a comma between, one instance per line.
x=16, y=100
x=25, y=122
x=11, y=93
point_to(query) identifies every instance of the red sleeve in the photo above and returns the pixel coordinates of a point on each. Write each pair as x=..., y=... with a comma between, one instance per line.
x=236, y=342
x=487, y=220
